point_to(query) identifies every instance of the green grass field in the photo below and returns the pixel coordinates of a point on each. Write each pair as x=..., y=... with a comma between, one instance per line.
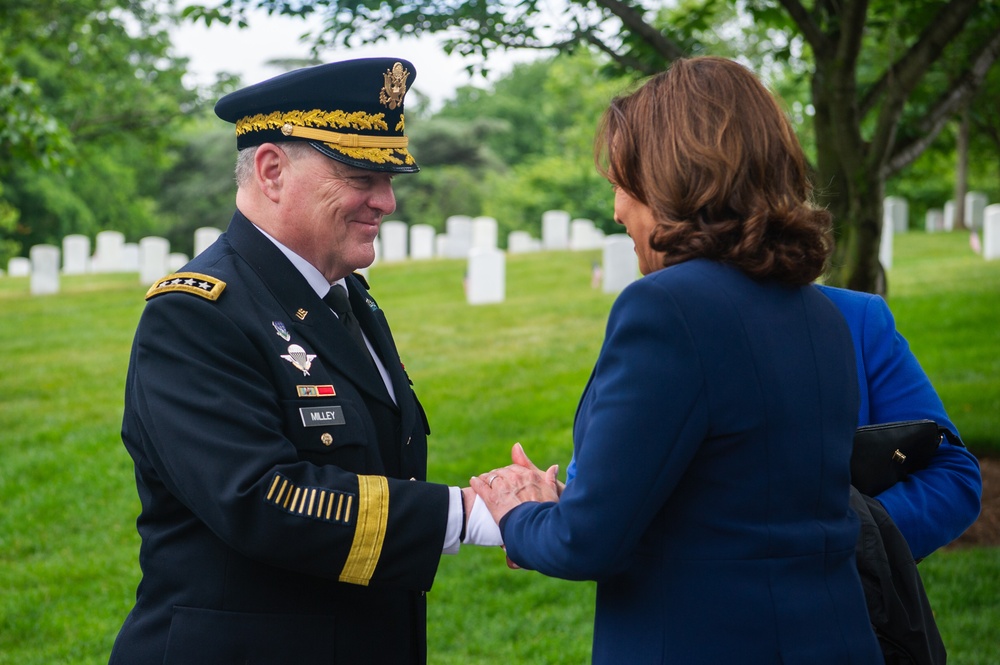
x=488, y=376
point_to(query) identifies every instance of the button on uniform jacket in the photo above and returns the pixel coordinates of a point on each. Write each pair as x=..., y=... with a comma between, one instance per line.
x=279, y=521
x=712, y=445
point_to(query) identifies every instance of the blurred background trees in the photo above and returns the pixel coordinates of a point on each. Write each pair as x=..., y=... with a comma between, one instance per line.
x=99, y=131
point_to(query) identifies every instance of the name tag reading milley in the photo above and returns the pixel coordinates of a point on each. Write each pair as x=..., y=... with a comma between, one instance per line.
x=317, y=416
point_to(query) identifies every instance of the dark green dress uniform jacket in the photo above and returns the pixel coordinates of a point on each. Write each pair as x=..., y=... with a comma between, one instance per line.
x=280, y=522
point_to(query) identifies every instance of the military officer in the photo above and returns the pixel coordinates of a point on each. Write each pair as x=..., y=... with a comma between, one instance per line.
x=280, y=457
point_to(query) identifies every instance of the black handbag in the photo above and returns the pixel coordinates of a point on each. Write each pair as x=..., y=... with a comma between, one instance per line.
x=885, y=454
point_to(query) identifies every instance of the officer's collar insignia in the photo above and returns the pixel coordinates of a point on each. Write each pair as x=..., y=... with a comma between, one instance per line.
x=205, y=286
x=282, y=331
x=301, y=314
x=299, y=358
x=394, y=88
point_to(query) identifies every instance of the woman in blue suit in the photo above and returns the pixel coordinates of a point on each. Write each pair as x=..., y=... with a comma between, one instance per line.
x=713, y=439
x=936, y=504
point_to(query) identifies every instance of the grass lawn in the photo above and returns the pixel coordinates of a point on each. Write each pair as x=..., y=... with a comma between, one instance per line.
x=488, y=376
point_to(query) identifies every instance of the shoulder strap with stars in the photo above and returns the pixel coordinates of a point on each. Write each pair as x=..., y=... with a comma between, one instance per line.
x=205, y=286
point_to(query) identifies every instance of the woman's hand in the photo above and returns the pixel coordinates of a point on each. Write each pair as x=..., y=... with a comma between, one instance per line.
x=506, y=488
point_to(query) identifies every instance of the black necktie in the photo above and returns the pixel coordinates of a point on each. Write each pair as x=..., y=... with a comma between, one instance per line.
x=338, y=301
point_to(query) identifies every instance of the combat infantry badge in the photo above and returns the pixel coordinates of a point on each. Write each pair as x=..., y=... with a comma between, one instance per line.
x=392, y=92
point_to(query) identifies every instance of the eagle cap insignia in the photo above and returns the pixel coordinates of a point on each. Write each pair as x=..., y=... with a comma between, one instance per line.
x=394, y=87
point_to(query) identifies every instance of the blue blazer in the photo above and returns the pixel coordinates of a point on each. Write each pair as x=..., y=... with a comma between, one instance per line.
x=934, y=506
x=712, y=446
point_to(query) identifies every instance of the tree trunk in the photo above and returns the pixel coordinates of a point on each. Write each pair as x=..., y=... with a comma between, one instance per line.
x=858, y=215
x=848, y=187
x=961, y=170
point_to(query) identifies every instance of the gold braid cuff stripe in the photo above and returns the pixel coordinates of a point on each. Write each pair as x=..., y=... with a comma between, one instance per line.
x=369, y=532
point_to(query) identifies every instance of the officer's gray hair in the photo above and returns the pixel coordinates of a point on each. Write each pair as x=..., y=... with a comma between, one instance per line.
x=245, y=157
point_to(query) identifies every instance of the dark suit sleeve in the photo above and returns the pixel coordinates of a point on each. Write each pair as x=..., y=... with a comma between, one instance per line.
x=636, y=445
x=202, y=408
x=935, y=505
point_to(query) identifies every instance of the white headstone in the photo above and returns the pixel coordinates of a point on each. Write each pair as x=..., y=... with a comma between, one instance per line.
x=76, y=254
x=975, y=207
x=949, y=215
x=203, y=237
x=620, y=264
x=934, y=220
x=459, y=241
x=555, y=229
x=108, y=252
x=519, y=242
x=441, y=245
x=422, y=241
x=582, y=234
x=885, y=246
x=153, y=253
x=130, y=257
x=485, y=233
x=895, y=213
x=991, y=232
x=377, y=246
x=176, y=261
x=393, y=238
x=18, y=266
x=44, y=269
x=486, y=281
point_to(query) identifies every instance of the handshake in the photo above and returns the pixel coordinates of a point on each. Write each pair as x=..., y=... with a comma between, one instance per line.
x=492, y=495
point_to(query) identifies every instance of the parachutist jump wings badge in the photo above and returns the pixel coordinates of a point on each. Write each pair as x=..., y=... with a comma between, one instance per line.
x=299, y=358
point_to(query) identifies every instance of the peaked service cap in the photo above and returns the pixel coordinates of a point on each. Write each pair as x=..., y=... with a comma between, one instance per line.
x=351, y=111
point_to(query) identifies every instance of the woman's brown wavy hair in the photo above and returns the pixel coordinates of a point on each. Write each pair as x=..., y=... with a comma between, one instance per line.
x=710, y=151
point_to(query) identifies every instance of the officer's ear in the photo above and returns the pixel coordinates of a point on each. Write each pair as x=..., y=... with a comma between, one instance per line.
x=270, y=169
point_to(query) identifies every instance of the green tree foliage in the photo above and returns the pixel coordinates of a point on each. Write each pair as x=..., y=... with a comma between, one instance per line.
x=516, y=149
x=455, y=161
x=89, y=97
x=930, y=181
x=198, y=187
x=884, y=77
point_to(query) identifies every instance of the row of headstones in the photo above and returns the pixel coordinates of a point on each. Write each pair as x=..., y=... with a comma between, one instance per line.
x=943, y=219
x=475, y=239
x=979, y=217
x=400, y=241
x=150, y=257
x=472, y=238
x=486, y=275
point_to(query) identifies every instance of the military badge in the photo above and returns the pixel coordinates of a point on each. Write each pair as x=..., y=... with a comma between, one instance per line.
x=299, y=358
x=394, y=88
x=282, y=331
